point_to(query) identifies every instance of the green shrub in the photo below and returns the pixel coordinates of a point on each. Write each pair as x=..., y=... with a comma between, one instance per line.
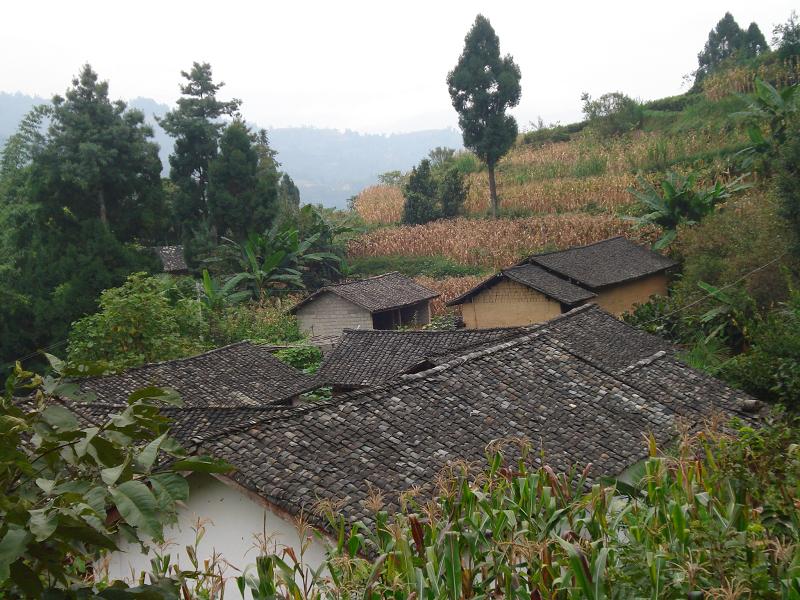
x=673, y=103
x=138, y=322
x=466, y=162
x=612, y=114
x=770, y=368
x=437, y=267
x=591, y=166
x=305, y=358
x=260, y=324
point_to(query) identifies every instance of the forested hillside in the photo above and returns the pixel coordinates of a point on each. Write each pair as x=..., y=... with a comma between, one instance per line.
x=328, y=166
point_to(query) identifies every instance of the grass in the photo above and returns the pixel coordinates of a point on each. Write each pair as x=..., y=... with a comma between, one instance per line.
x=434, y=266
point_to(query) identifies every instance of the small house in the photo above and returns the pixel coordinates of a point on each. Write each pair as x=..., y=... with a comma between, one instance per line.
x=386, y=301
x=172, y=259
x=617, y=274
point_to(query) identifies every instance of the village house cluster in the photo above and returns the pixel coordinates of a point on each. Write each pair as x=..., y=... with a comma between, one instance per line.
x=542, y=358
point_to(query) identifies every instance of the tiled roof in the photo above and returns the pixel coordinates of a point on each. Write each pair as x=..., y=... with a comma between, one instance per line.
x=534, y=277
x=367, y=357
x=171, y=258
x=394, y=437
x=188, y=424
x=379, y=293
x=239, y=375
x=603, y=339
x=603, y=263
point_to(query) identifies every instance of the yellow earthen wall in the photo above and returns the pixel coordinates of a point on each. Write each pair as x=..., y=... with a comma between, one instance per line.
x=622, y=298
x=508, y=304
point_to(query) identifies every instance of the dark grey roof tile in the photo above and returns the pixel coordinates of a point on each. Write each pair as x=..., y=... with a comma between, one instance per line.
x=604, y=263
x=376, y=294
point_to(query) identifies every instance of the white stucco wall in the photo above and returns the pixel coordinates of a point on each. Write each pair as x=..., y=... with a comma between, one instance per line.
x=328, y=314
x=234, y=519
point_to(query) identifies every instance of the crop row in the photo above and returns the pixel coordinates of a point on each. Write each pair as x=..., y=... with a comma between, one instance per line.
x=492, y=243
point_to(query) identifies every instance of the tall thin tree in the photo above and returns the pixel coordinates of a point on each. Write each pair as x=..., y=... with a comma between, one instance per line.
x=483, y=86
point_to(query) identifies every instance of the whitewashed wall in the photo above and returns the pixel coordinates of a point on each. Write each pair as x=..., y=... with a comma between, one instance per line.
x=234, y=518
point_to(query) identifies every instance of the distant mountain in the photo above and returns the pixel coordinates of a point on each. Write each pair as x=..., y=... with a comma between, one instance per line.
x=327, y=165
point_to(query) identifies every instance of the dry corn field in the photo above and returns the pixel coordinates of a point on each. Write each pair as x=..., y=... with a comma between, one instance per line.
x=493, y=243
x=449, y=288
x=551, y=195
x=548, y=180
x=380, y=204
x=741, y=80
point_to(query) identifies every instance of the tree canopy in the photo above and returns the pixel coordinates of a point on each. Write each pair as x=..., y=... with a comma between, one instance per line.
x=196, y=126
x=483, y=86
x=728, y=41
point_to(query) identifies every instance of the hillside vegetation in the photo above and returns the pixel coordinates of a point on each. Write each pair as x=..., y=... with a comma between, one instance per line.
x=559, y=187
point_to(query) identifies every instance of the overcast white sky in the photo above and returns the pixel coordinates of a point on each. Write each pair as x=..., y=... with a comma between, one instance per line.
x=366, y=66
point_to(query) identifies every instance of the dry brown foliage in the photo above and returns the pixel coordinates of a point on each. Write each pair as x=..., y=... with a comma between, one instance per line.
x=568, y=194
x=380, y=204
x=492, y=243
x=741, y=80
x=449, y=288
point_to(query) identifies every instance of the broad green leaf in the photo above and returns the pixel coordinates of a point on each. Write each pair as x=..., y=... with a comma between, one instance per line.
x=42, y=523
x=202, y=464
x=59, y=417
x=12, y=546
x=138, y=507
x=169, y=488
x=148, y=455
x=111, y=475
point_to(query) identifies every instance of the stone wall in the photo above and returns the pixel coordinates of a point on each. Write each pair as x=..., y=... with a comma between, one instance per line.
x=328, y=314
x=508, y=304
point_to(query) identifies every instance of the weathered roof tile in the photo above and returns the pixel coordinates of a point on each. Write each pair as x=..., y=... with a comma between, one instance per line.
x=376, y=294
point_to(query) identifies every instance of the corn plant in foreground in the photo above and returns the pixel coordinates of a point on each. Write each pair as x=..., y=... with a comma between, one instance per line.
x=717, y=518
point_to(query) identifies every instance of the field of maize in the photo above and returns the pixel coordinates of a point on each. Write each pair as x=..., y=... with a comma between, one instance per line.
x=579, y=175
x=449, y=288
x=493, y=243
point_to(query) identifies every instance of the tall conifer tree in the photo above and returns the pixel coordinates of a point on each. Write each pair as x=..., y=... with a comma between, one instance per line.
x=483, y=86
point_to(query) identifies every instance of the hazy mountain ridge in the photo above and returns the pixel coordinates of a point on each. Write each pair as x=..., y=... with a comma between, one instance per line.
x=327, y=165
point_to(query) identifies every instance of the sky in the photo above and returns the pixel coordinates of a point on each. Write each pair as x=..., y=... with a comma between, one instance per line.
x=374, y=67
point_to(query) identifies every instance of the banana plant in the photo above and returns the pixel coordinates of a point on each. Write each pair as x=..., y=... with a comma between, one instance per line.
x=215, y=296
x=679, y=201
x=278, y=260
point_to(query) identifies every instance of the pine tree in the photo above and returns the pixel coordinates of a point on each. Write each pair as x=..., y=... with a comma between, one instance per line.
x=239, y=202
x=195, y=124
x=97, y=161
x=288, y=194
x=482, y=87
x=452, y=192
x=420, y=196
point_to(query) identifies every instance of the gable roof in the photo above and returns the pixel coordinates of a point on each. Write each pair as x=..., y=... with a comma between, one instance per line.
x=239, y=375
x=401, y=434
x=376, y=294
x=534, y=277
x=603, y=263
x=368, y=356
x=172, y=258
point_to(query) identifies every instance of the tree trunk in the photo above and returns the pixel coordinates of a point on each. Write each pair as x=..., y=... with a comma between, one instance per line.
x=103, y=213
x=493, y=191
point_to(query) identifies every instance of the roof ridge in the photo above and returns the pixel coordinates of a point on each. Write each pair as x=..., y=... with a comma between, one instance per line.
x=171, y=360
x=431, y=331
x=643, y=362
x=589, y=245
x=533, y=332
x=371, y=277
